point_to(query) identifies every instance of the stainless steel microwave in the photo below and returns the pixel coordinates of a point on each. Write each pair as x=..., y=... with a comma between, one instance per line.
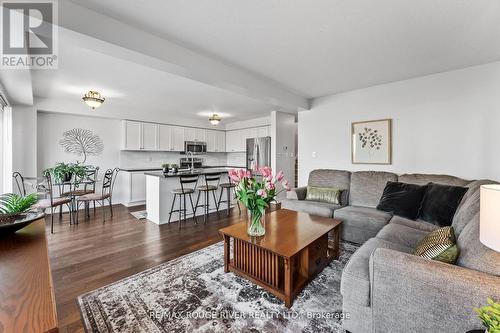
x=195, y=147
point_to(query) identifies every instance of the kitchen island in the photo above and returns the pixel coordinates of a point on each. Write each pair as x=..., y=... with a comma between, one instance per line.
x=159, y=197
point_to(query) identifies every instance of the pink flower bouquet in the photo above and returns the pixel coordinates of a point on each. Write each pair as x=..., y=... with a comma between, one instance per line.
x=256, y=195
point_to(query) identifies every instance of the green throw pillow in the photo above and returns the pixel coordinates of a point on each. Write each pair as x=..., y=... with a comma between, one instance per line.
x=439, y=245
x=323, y=194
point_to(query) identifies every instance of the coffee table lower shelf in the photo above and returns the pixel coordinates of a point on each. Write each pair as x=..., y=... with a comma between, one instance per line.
x=283, y=277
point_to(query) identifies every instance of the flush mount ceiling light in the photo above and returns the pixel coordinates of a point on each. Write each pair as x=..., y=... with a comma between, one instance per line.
x=93, y=99
x=215, y=119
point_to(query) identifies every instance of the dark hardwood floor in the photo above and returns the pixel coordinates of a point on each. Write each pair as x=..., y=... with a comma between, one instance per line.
x=92, y=254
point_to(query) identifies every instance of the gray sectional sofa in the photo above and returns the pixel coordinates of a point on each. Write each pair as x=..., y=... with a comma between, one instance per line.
x=385, y=287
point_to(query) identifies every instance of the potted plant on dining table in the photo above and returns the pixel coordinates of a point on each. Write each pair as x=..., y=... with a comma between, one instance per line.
x=257, y=194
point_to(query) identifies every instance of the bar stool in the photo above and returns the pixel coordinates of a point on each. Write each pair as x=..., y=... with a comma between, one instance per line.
x=206, y=189
x=182, y=193
x=227, y=186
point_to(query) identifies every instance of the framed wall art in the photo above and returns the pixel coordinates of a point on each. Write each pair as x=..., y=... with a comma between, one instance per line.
x=372, y=142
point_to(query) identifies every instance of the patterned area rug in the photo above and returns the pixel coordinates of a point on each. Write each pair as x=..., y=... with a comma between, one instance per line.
x=192, y=293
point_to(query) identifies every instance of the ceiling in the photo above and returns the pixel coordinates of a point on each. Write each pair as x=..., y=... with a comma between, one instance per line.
x=320, y=47
x=134, y=91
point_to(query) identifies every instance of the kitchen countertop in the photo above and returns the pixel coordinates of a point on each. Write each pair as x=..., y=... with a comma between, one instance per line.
x=159, y=169
x=201, y=171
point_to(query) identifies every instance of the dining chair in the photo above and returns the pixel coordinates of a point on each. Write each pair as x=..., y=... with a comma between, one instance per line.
x=53, y=201
x=84, y=185
x=19, y=180
x=108, y=183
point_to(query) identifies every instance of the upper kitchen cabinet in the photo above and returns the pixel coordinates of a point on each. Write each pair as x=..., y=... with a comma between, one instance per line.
x=139, y=136
x=236, y=139
x=220, y=142
x=170, y=138
x=178, y=138
x=233, y=141
x=216, y=141
x=194, y=134
x=149, y=135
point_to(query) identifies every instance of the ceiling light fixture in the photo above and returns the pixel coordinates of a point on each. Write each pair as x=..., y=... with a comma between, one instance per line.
x=214, y=119
x=93, y=99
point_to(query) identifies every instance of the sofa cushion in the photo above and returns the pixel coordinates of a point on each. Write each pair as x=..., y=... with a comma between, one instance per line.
x=355, y=282
x=469, y=206
x=310, y=207
x=323, y=194
x=367, y=187
x=439, y=245
x=418, y=224
x=440, y=203
x=401, y=234
x=475, y=255
x=360, y=223
x=332, y=178
x=423, y=179
x=402, y=199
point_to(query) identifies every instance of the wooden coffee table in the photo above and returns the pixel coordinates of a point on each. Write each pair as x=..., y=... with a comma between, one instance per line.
x=293, y=251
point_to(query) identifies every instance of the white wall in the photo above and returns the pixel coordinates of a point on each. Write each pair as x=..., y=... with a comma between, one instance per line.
x=443, y=123
x=283, y=129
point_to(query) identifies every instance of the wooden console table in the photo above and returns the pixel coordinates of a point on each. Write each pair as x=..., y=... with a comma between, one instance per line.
x=293, y=251
x=26, y=292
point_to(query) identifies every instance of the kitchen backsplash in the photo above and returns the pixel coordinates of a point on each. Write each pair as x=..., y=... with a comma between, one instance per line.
x=143, y=159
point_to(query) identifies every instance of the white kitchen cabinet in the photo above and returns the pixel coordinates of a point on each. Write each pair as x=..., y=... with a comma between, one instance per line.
x=200, y=134
x=194, y=134
x=135, y=188
x=233, y=141
x=220, y=142
x=139, y=136
x=178, y=138
x=189, y=134
x=149, y=135
x=211, y=139
x=131, y=135
x=165, y=141
x=216, y=141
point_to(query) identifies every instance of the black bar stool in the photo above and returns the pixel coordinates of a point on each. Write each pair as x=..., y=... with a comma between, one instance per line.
x=182, y=193
x=227, y=186
x=210, y=178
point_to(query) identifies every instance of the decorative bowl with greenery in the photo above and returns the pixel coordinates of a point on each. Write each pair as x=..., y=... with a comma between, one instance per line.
x=165, y=167
x=13, y=205
x=63, y=172
x=490, y=316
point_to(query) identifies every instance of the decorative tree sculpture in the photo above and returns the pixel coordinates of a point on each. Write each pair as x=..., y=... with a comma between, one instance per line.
x=81, y=142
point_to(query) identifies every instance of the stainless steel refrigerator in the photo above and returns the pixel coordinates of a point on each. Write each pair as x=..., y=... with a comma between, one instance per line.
x=258, y=152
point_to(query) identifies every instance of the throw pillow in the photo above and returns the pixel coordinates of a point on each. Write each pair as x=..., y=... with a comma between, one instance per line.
x=323, y=194
x=439, y=245
x=402, y=199
x=440, y=203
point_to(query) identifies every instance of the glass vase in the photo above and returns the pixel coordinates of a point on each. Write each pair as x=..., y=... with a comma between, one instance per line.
x=256, y=223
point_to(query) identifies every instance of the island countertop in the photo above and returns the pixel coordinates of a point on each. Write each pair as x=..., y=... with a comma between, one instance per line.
x=185, y=173
x=149, y=169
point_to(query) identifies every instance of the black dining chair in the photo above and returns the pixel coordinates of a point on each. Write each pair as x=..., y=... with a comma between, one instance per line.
x=108, y=184
x=85, y=185
x=188, y=187
x=209, y=187
x=227, y=186
x=19, y=180
x=52, y=202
